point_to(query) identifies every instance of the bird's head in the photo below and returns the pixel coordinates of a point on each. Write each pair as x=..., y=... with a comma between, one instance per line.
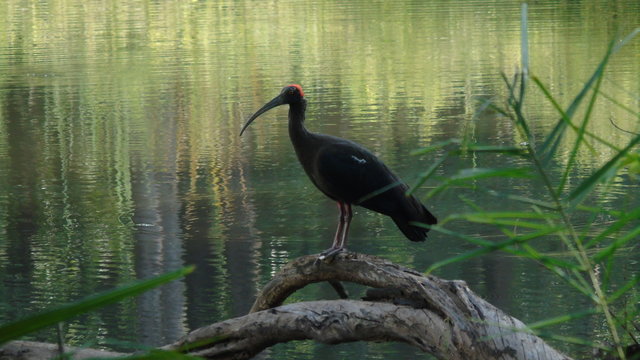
x=290, y=94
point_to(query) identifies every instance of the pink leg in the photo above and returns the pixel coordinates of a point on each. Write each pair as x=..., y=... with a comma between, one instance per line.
x=340, y=239
x=337, y=239
x=345, y=220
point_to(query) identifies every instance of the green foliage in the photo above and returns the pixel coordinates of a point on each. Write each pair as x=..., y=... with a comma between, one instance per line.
x=53, y=316
x=588, y=263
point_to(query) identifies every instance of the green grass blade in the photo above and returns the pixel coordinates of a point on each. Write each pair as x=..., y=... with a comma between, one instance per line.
x=600, y=175
x=470, y=239
x=500, y=110
x=524, y=200
x=619, y=104
x=487, y=246
x=508, y=214
x=516, y=103
x=552, y=142
x=598, y=210
x=50, y=317
x=624, y=219
x=581, y=132
x=618, y=243
x=470, y=203
x=565, y=118
x=481, y=219
x=458, y=258
x=573, y=340
x=483, y=173
x=436, y=146
x=551, y=262
x=472, y=174
x=379, y=191
x=426, y=175
x=438, y=189
x=558, y=267
x=562, y=318
x=626, y=287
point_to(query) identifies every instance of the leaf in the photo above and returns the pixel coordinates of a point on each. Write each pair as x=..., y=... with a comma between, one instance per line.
x=525, y=200
x=580, y=137
x=486, y=218
x=562, y=318
x=426, y=175
x=601, y=175
x=516, y=103
x=378, y=192
x=487, y=246
x=553, y=263
x=550, y=145
x=50, y=317
x=569, y=123
x=509, y=214
x=436, y=146
x=626, y=287
x=482, y=173
x=609, y=250
x=615, y=227
x=573, y=340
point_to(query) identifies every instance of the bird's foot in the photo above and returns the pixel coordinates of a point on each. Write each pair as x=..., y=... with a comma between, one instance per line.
x=330, y=253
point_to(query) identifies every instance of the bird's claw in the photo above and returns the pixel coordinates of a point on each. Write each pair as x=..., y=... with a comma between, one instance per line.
x=329, y=254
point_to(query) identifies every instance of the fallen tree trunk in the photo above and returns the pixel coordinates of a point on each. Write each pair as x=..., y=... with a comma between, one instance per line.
x=440, y=317
x=32, y=350
x=444, y=318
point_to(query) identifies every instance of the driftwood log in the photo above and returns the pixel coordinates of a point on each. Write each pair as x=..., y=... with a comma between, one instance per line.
x=31, y=350
x=440, y=317
x=444, y=318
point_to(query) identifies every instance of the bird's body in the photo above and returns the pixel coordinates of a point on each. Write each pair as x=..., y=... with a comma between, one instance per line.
x=349, y=174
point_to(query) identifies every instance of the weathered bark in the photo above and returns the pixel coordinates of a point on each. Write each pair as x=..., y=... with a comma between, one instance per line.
x=444, y=318
x=31, y=350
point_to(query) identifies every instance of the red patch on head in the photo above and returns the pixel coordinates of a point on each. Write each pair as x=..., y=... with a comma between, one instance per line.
x=299, y=88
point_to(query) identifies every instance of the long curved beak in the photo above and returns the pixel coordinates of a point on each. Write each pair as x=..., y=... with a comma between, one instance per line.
x=277, y=101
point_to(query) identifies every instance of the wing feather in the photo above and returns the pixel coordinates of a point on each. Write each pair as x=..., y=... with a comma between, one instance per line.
x=350, y=173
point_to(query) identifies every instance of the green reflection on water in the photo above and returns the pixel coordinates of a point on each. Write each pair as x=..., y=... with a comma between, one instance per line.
x=120, y=155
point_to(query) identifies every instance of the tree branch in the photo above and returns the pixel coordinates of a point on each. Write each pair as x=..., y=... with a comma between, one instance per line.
x=440, y=317
x=444, y=318
x=31, y=350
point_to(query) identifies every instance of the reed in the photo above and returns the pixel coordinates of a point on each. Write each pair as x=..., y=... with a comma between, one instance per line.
x=588, y=262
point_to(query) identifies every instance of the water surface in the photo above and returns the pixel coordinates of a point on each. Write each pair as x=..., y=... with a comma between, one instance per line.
x=120, y=156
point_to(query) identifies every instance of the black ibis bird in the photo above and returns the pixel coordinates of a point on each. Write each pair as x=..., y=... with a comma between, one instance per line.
x=349, y=174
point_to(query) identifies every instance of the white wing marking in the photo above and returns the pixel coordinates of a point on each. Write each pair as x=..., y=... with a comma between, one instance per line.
x=360, y=161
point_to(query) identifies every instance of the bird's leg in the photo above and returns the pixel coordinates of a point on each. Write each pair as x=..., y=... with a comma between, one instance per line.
x=340, y=238
x=345, y=217
x=337, y=239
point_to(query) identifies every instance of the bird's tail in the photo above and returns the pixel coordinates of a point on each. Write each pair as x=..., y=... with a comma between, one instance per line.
x=417, y=215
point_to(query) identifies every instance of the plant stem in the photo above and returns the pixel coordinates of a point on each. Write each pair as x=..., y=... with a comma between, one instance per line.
x=575, y=245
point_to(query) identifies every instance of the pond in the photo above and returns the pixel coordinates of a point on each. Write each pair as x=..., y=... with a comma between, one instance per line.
x=120, y=155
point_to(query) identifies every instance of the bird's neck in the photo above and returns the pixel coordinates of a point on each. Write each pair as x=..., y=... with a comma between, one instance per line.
x=297, y=131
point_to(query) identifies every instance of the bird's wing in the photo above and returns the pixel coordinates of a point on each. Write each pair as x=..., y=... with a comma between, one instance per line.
x=350, y=173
